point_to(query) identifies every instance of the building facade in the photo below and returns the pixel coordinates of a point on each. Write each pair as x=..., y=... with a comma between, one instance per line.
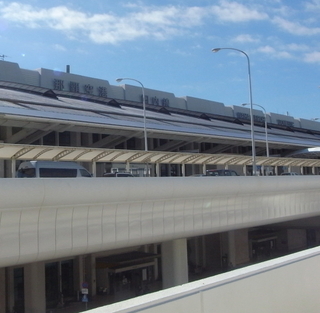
x=49, y=108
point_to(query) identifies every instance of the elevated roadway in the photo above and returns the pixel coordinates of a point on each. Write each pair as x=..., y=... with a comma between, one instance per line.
x=42, y=219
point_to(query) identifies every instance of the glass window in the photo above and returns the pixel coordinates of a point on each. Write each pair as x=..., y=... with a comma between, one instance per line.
x=84, y=173
x=58, y=172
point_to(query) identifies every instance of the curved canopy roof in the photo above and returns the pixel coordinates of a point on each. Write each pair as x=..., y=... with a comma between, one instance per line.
x=80, y=154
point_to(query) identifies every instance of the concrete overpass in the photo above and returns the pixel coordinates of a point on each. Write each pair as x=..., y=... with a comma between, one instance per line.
x=41, y=219
x=46, y=219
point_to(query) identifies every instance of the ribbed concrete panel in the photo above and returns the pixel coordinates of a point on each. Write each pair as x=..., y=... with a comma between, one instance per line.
x=10, y=237
x=47, y=230
x=28, y=228
x=53, y=218
x=64, y=229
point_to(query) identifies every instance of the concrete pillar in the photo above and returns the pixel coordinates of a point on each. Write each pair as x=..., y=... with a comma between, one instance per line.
x=34, y=287
x=90, y=274
x=204, y=168
x=13, y=167
x=174, y=263
x=86, y=140
x=183, y=169
x=127, y=167
x=2, y=290
x=79, y=274
x=10, y=288
x=238, y=247
x=94, y=169
x=231, y=249
x=235, y=245
x=75, y=139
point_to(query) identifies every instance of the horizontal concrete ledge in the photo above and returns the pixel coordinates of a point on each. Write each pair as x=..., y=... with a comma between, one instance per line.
x=286, y=284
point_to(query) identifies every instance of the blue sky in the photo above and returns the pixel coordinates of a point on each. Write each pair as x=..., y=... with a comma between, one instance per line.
x=167, y=46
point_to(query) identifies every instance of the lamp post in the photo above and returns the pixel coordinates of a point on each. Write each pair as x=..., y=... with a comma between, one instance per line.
x=144, y=110
x=265, y=125
x=254, y=168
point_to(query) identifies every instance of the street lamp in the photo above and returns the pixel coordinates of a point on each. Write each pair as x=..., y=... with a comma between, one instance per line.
x=254, y=169
x=265, y=124
x=144, y=110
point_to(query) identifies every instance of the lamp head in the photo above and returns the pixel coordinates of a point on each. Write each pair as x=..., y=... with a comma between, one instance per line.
x=119, y=80
x=216, y=50
x=244, y=104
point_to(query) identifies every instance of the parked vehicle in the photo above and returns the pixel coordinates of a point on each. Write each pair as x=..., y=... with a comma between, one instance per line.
x=118, y=174
x=221, y=173
x=50, y=169
x=289, y=174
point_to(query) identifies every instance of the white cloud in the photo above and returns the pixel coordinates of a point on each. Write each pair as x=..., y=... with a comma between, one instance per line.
x=295, y=28
x=275, y=53
x=312, y=57
x=232, y=11
x=158, y=22
x=245, y=38
x=313, y=5
x=296, y=47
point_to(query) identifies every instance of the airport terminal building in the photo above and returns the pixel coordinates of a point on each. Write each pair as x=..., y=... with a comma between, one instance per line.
x=60, y=116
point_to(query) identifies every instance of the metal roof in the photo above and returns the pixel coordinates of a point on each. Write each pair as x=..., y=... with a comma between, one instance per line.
x=80, y=154
x=28, y=107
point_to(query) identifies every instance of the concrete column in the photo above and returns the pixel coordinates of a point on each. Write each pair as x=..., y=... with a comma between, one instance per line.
x=10, y=288
x=75, y=139
x=244, y=170
x=2, y=290
x=238, y=247
x=155, y=268
x=204, y=168
x=34, y=287
x=94, y=169
x=183, y=169
x=79, y=274
x=231, y=249
x=174, y=263
x=87, y=139
x=13, y=167
x=90, y=274
x=235, y=245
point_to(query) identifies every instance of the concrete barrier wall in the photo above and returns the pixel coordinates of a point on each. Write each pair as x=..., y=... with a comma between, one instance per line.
x=289, y=284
